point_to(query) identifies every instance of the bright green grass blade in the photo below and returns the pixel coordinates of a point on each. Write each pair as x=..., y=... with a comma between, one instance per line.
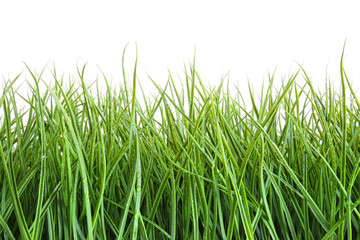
x=318, y=214
x=40, y=125
x=343, y=153
x=6, y=228
x=11, y=179
x=83, y=170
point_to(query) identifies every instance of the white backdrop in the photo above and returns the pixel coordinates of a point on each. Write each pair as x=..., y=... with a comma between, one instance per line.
x=247, y=39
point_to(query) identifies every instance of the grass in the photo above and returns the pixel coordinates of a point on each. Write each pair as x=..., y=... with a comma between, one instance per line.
x=191, y=163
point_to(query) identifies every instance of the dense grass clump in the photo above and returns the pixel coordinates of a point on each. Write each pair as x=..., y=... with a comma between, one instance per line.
x=192, y=163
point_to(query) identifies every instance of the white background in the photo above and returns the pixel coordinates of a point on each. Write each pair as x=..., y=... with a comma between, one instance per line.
x=247, y=38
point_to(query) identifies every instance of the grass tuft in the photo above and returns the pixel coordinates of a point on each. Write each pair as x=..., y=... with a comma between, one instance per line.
x=190, y=163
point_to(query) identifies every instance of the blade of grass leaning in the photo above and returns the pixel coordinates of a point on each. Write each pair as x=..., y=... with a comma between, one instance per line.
x=83, y=170
x=6, y=228
x=40, y=124
x=318, y=214
x=343, y=154
x=9, y=173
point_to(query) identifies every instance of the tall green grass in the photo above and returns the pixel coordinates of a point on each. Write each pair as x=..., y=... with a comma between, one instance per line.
x=190, y=163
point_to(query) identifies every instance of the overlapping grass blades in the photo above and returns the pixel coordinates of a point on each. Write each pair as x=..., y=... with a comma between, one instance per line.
x=191, y=163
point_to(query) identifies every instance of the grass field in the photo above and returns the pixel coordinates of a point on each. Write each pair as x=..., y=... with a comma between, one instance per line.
x=83, y=164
